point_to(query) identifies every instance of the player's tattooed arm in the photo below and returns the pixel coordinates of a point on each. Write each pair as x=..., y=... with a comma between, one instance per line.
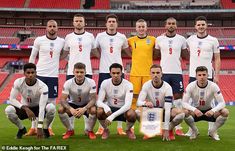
x=64, y=101
x=92, y=101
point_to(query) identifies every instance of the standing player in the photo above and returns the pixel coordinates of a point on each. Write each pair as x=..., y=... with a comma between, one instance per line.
x=202, y=48
x=49, y=47
x=158, y=93
x=203, y=92
x=111, y=43
x=118, y=93
x=142, y=47
x=79, y=44
x=82, y=93
x=171, y=46
x=33, y=103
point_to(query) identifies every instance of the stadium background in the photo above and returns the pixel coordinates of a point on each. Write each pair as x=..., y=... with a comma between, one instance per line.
x=21, y=21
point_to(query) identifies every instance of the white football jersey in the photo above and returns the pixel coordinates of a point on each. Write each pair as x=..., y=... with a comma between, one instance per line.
x=157, y=95
x=111, y=47
x=116, y=95
x=201, y=53
x=203, y=97
x=170, y=48
x=79, y=47
x=49, y=55
x=30, y=95
x=79, y=94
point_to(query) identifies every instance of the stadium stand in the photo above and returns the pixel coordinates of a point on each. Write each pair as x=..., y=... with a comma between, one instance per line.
x=12, y=3
x=5, y=60
x=5, y=93
x=3, y=76
x=227, y=4
x=101, y=4
x=9, y=40
x=72, y=4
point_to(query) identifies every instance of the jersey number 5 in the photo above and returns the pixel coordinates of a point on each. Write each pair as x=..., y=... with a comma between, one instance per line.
x=51, y=53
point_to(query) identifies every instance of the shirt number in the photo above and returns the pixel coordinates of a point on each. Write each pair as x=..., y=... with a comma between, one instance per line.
x=170, y=51
x=202, y=102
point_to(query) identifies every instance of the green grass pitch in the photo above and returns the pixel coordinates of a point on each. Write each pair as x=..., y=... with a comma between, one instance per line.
x=80, y=142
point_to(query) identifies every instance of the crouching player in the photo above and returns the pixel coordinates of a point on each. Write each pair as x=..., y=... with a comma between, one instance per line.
x=158, y=93
x=119, y=93
x=203, y=92
x=81, y=94
x=34, y=96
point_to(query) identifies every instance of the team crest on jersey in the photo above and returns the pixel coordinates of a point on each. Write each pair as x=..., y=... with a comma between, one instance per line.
x=170, y=42
x=199, y=43
x=202, y=94
x=111, y=40
x=156, y=94
x=29, y=92
x=51, y=44
x=80, y=39
x=79, y=91
x=151, y=116
x=148, y=41
x=115, y=91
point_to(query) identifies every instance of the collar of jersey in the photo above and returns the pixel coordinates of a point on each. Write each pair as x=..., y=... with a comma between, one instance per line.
x=79, y=83
x=79, y=33
x=51, y=38
x=118, y=83
x=202, y=37
x=111, y=34
x=158, y=86
x=142, y=37
x=204, y=86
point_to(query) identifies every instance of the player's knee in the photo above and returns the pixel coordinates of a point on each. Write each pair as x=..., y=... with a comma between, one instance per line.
x=100, y=114
x=186, y=112
x=225, y=112
x=50, y=108
x=131, y=116
x=92, y=110
x=10, y=110
x=61, y=110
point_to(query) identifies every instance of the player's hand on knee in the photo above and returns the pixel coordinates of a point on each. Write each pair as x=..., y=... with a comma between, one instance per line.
x=209, y=113
x=198, y=113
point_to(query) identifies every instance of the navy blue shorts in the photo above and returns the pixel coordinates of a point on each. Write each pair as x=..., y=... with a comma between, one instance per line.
x=104, y=76
x=175, y=81
x=78, y=106
x=52, y=83
x=71, y=76
x=120, y=117
x=22, y=114
x=204, y=117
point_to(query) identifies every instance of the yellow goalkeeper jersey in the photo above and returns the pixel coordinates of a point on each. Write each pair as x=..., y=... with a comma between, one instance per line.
x=142, y=55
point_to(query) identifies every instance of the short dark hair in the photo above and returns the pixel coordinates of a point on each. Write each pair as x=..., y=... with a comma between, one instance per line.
x=29, y=66
x=115, y=65
x=201, y=68
x=111, y=16
x=200, y=18
x=170, y=18
x=156, y=66
x=80, y=65
x=79, y=15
